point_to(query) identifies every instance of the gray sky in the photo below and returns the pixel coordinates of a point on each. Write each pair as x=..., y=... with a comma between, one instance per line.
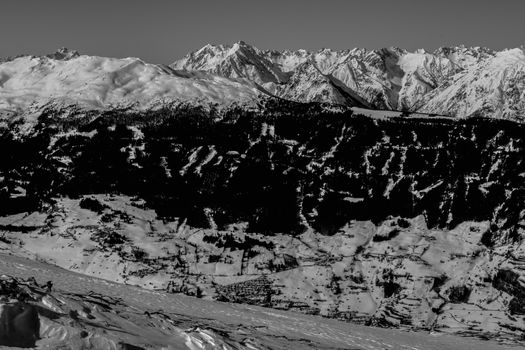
x=161, y=31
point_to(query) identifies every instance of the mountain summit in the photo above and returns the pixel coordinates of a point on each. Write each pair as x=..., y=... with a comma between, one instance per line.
x=66, y=77
x=455, y=81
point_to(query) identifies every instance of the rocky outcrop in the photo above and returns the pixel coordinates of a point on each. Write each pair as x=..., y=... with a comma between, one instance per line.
x=19, y=325
x=509, y=282
x=19, y=321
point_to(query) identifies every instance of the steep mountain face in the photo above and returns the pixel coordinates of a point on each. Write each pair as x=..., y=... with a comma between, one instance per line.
x=67, y=78
x=457, y=81
x=237, y=61
x=465, y=57
x=454, y=81
x=304, y=83
x=496, y=88
x=309, y=84
x=373, y=75
x=400, y=221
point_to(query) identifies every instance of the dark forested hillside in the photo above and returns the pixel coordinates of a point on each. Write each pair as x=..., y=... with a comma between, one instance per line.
x=287, y=168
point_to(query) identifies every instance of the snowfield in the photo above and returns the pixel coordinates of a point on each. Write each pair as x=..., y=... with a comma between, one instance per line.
x=85, y=312
x=103, y=83
x=453, y=81
x=312, y=273
x=495, y=88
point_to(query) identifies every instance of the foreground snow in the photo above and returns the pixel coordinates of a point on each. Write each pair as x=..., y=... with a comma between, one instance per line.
x=406, y=279
x=86, y=312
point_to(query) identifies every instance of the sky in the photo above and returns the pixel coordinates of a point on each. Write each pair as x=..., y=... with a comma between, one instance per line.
x=161, y=31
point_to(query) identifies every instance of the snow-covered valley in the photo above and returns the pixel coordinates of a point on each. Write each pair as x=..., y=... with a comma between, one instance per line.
x=397, y=274
x=375, y=218
x=82, y=312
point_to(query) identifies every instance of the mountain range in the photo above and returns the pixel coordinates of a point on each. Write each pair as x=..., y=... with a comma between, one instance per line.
x=452, y=81
x=376, y=187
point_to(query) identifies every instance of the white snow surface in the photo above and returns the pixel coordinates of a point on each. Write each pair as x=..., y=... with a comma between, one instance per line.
x=496, y=87
x=455, y=81
x=111, y=314
x=100, y=82
x=136, y=247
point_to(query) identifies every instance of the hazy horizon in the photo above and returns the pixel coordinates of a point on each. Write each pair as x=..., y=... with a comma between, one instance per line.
x=162, y=31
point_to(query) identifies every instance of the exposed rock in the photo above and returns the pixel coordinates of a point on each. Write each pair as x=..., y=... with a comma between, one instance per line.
x=459, y=294
x=19, y=325
x=508, y=281
x=19, y=321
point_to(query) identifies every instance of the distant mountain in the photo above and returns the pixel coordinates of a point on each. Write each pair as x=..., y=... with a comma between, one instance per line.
x=237, y=61
x=309, y=84
x=493, y=87
x=305, y=82
x=455, y=81
x=99, y=82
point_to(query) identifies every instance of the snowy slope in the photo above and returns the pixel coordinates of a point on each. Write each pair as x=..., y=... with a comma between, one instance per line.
x=99, y=82
x=346, y=275
x=309, y=84
x=377, y=76
x=495, y=87
x=398, y=220
x=84, y=312
x=456, y=81
x=465, y=57
x=239, y=60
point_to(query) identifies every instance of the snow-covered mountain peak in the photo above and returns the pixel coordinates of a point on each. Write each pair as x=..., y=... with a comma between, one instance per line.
x=387, y=78
x=100, y=82
x=457, y=80
x=241, y=45
x=210, y=55
x=495, y=87
x=239, y=60
x=510, y=57
x=309, y=84
x=463, y=56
